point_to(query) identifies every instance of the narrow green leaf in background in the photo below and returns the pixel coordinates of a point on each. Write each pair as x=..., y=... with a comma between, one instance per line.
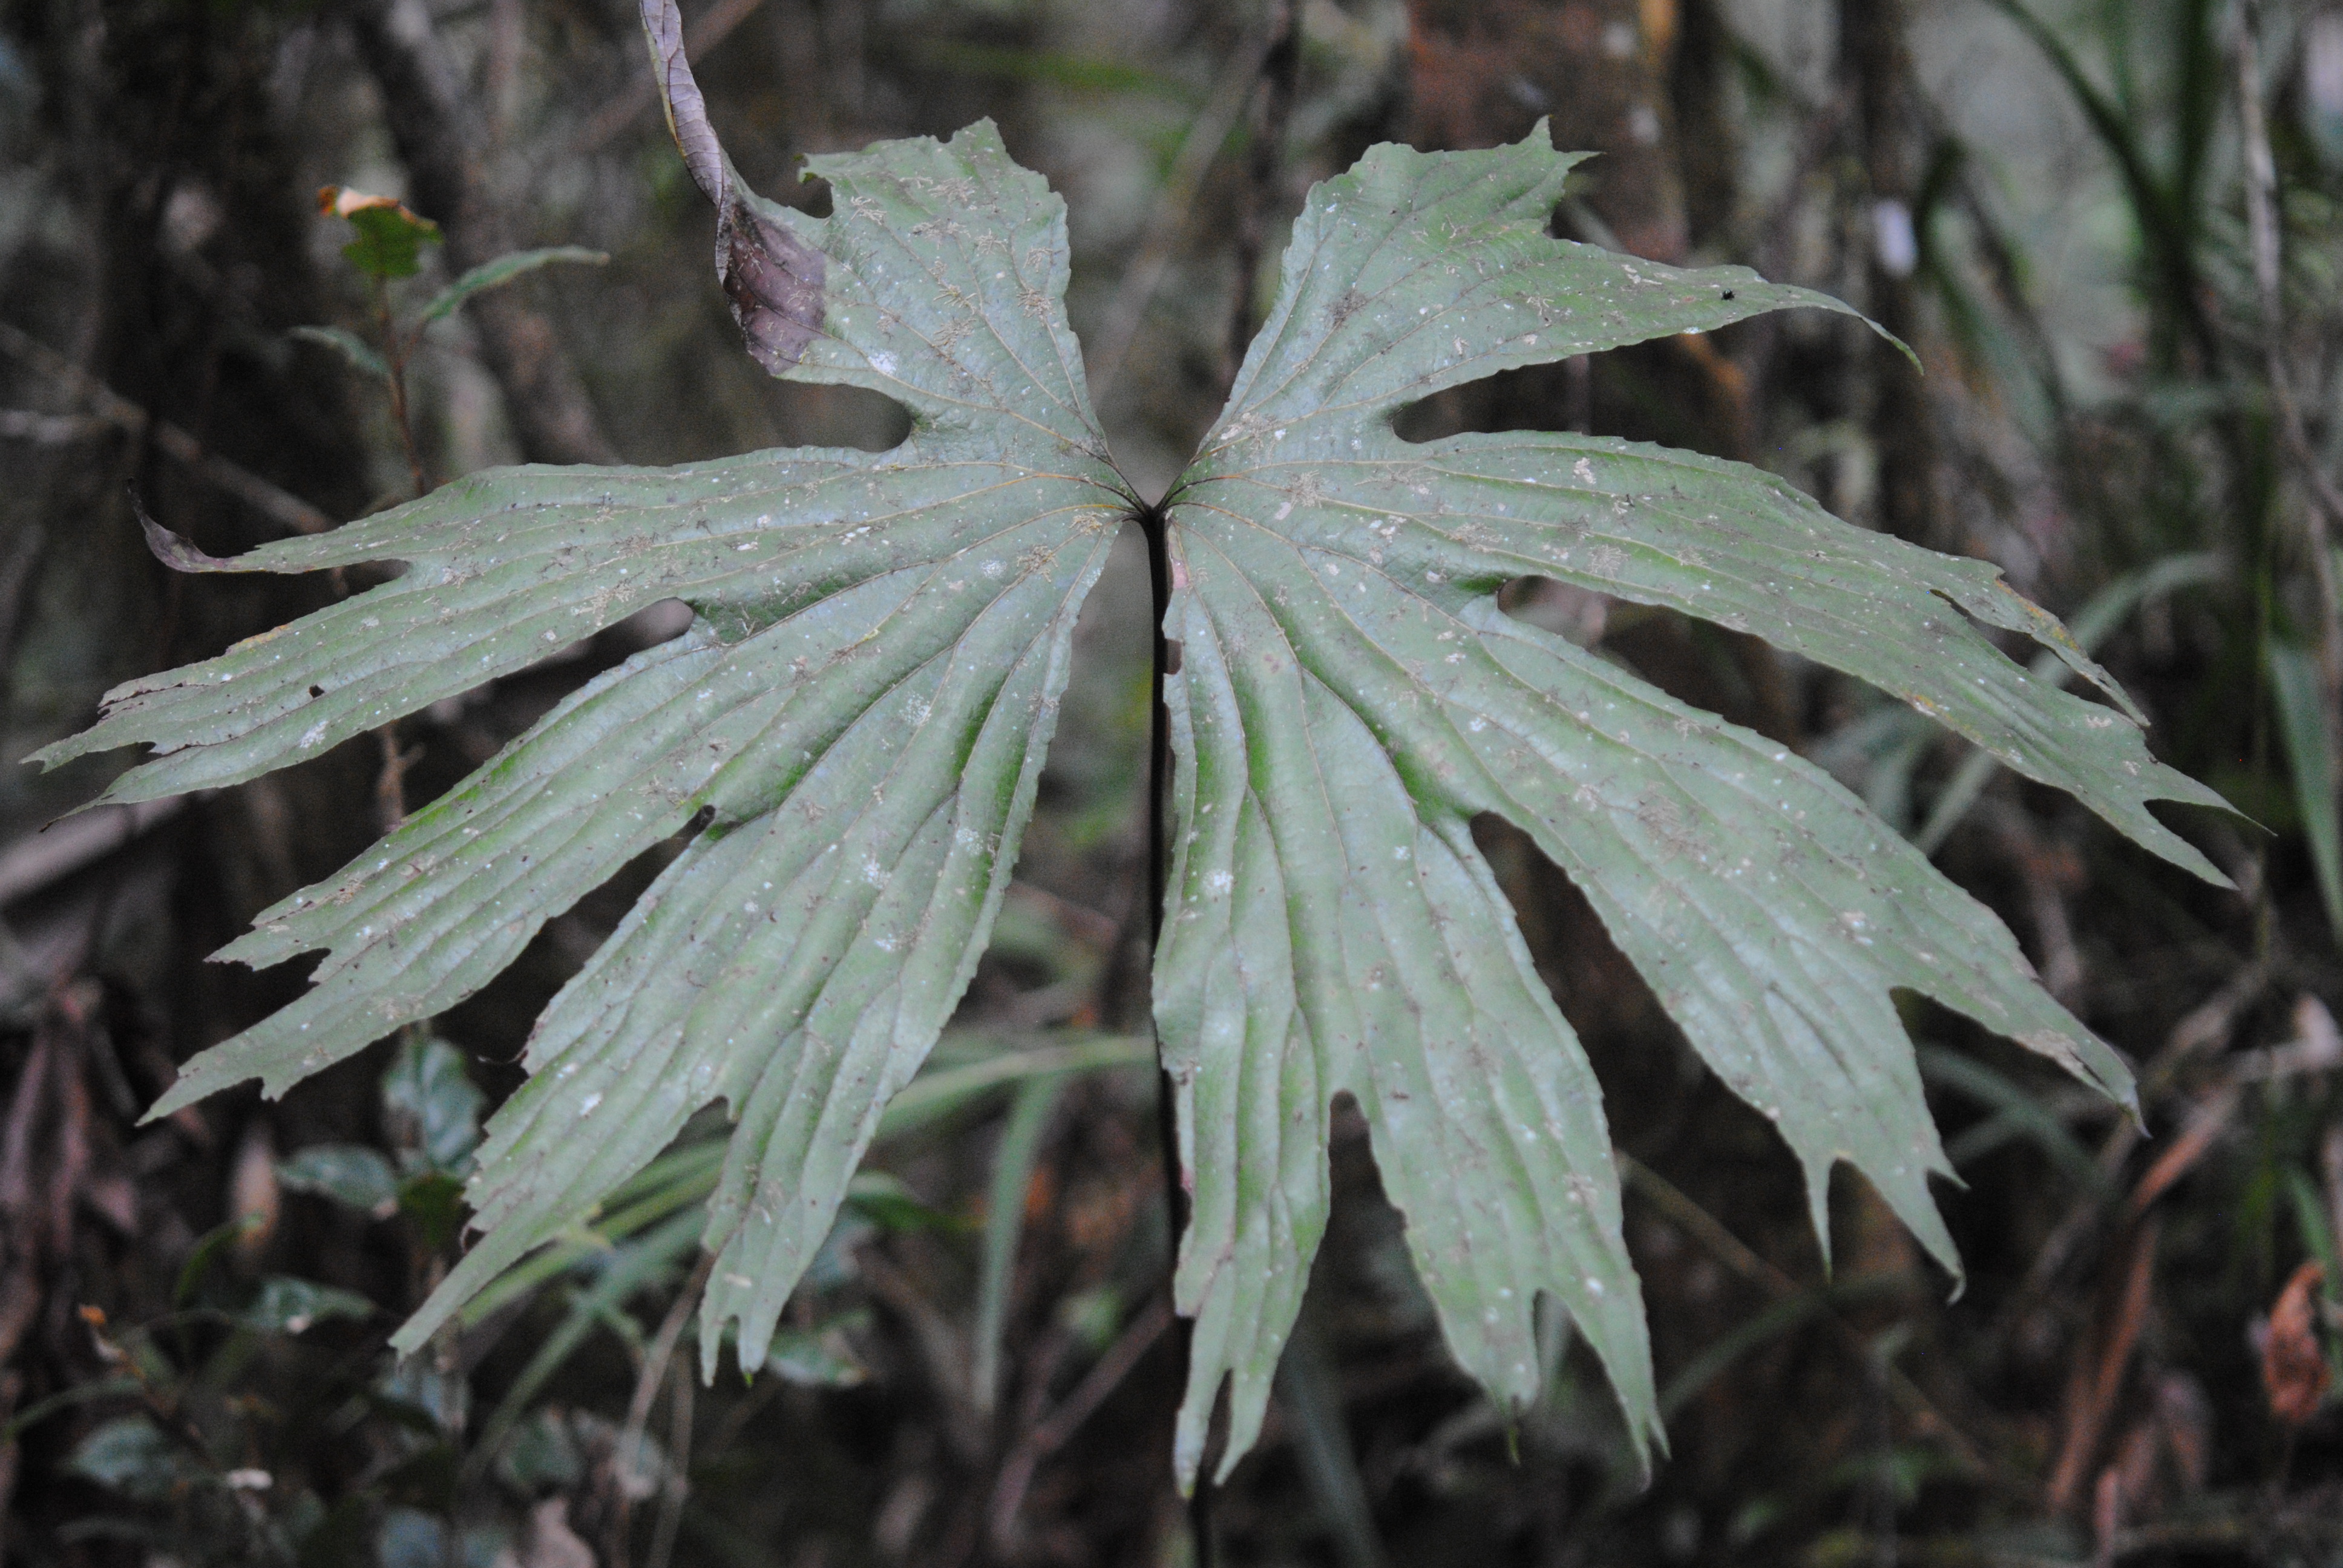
x=2311, y=758
x=1004, y=1225
x=503, y=270
x=362, y=355
x=1311, y=1390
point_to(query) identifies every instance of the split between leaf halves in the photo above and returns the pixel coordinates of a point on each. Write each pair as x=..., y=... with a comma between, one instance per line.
x=860, y=710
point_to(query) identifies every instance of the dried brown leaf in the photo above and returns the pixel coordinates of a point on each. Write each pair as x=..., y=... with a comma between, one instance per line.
x=2294, y=1372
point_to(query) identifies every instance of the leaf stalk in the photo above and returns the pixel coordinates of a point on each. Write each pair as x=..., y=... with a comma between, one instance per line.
x=1154, y=524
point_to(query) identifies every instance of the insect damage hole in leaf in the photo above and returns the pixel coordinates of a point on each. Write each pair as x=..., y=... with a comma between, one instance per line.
x=859, y=713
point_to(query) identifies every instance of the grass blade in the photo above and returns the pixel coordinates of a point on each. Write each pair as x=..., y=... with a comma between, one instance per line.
x=1311, y=1393
x=496, y=274
x=2310, y=758
x=1004, y=1224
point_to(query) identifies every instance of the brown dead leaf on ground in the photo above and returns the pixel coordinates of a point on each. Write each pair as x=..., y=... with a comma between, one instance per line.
x=2292, y=1371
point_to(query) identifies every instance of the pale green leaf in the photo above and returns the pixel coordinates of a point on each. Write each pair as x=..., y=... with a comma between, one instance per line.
x=861, y=706
x=816, y=1358
x=391, y=236
x=2095, y=622
x=433, y=1105
x=1351, y=696
x=284, y=1305
x=850, y=733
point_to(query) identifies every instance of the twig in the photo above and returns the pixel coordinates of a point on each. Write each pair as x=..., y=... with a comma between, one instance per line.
x=1729, y=1250
x=2207, y=1120
x=50, y=430
x=656, y=1360
x=2047, y=871
x=2205, y=1028
x=942, y=1350
x=1825, y=122
x=2316, y=1048
x=49, y=857
x=105, y=404
x=662, y=1349
x=2081, y=1221
x=2091, y=1400
x=1272, y=110
x=2003, y=266
x=1053, y=1432
x=1148, y=264
x=1578, y=400
x=1080, y=921
x=678, y=1453
x=1775, y=246
x=18, y=562
x=1707, y=1230
x=394, y=353
x=390, y=784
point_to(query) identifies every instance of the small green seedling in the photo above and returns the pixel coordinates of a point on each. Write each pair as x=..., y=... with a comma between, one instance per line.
x=389, y=246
